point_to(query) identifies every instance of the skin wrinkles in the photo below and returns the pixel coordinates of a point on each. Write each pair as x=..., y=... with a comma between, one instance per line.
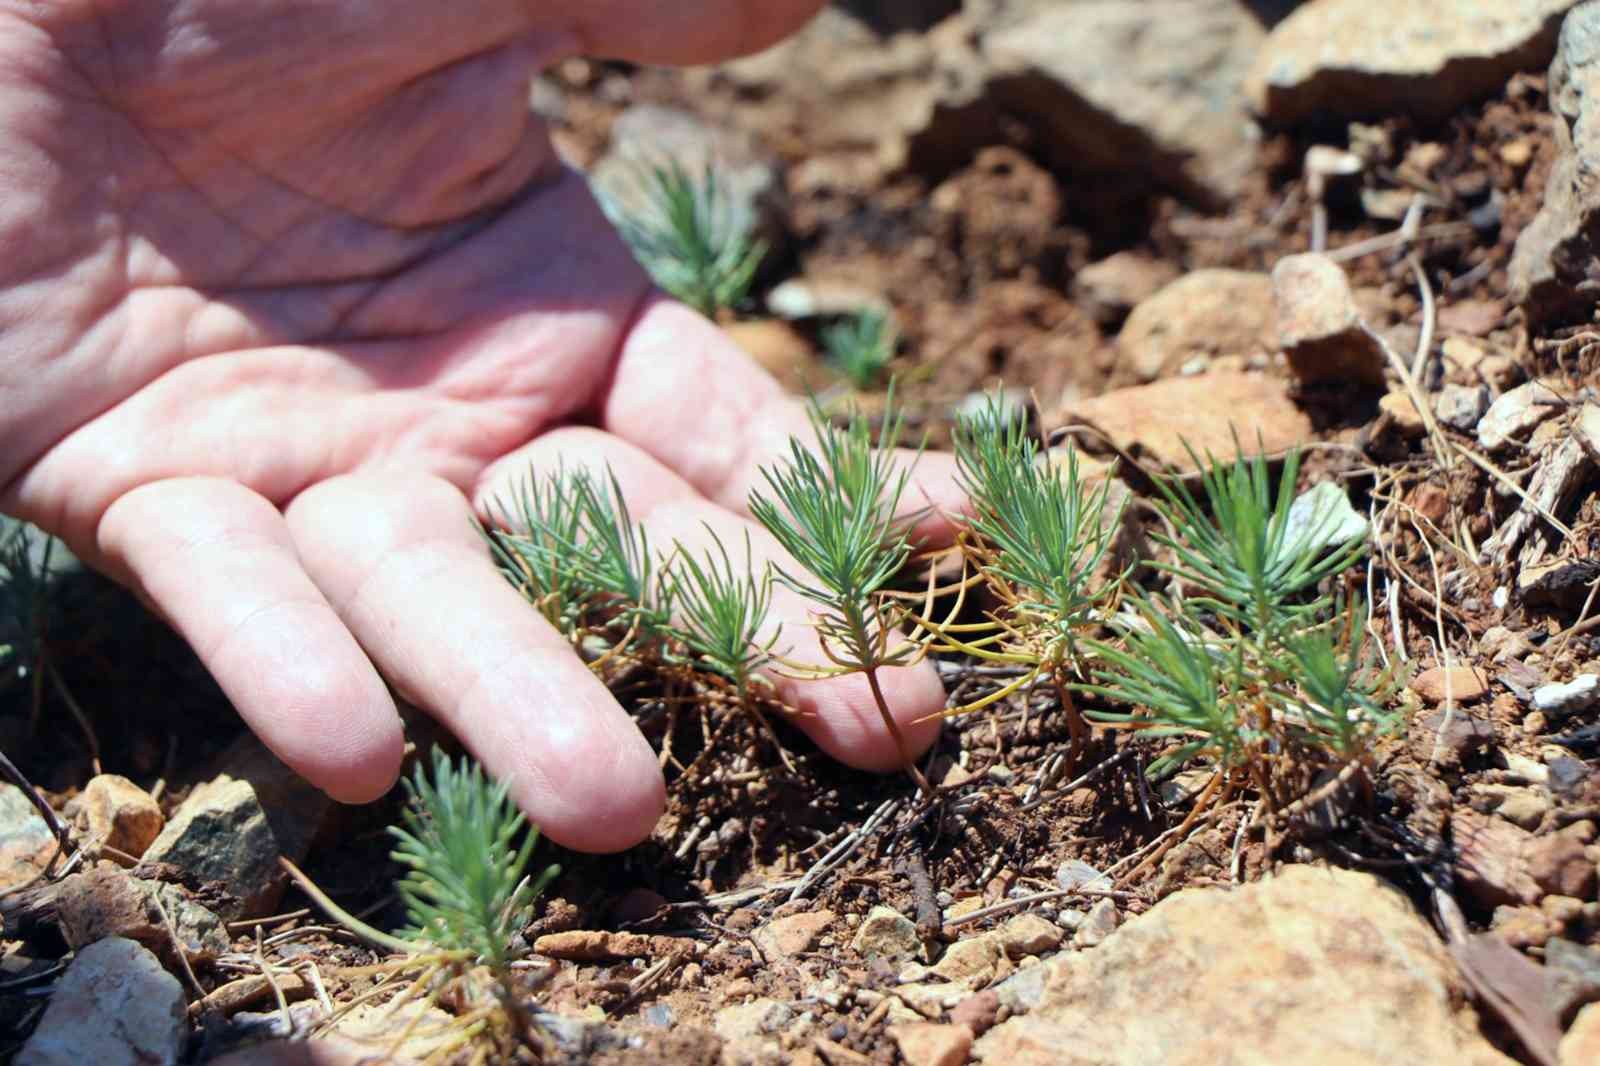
x=321, y=277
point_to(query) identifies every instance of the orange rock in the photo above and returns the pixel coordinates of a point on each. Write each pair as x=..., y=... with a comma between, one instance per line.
x=1464, y=684
x=1209, y=411
x=932, y=1044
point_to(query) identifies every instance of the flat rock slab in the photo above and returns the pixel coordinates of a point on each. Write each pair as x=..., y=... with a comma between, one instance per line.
x=1352, y=58
x=1323, y=966
x=1216, y=413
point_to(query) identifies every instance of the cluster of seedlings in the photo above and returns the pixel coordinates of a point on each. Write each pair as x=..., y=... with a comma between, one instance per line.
x=1250, y=659
x=1235, y=645
x=1235, y=641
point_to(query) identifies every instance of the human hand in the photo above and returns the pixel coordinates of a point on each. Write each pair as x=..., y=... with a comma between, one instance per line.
x=285, y=285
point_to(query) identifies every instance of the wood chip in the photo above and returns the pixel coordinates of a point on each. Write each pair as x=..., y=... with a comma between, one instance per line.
x=595, y=945
x=1553, y=485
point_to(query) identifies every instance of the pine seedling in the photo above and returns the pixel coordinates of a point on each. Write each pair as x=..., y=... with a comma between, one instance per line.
x=617, y=560
x=835, y=511
x=1179, y=684
x=722, y=612
x=1260, y=672
x=861, y=347
x=573, y=550
x=1333, y=699
x=1241, y=549
x=1042, y=536
x=539, y=547
x=466, y=848
x=1049, y=533
x=693, y=239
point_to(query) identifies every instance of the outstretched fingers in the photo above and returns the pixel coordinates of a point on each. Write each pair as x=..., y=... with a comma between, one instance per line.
x=398, y=558
x=219, y=562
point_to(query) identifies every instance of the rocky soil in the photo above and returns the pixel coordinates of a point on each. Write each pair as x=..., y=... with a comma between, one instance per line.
x=1369, y=229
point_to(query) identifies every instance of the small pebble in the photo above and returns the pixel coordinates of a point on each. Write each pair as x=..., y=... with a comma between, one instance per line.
x=1567, y=775
x=1559, y=700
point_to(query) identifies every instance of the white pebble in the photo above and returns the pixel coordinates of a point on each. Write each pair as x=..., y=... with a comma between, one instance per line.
x=1579, y=694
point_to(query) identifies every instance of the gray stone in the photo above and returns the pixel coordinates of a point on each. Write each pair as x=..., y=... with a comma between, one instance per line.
x=1515, y=412
x=233, y=829
x=1555, y=268
x=115, y=1005
x=1460, y=406
x=888, y=933
x=580, y=1037
x=1571, y=976
x=220, y=833
x=1075, y=873
x=1336, y=59
x=105, y=901
x=1101, y=922
x=1321, y=519
x=1560, y=699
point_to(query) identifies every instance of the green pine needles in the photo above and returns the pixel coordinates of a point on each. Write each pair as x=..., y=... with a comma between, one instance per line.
x=722, y=611
x=1243, y=549
x=466, y=848
x=540, y=547
x=1260, y=670
x=835, y=510
x=1047, y=531
x=1037, y=536
x=468, y=897
x=1252, y=661
x=693, y=239
x=572, y=549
